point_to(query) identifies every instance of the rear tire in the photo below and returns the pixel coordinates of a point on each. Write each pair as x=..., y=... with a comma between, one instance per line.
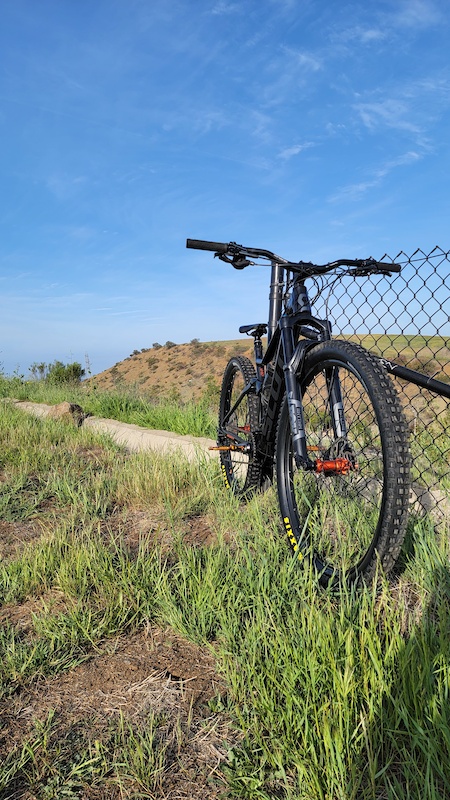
x=241, y=470
x=346, y=524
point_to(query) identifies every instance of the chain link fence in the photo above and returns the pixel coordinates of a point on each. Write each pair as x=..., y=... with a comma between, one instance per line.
x=406, y=319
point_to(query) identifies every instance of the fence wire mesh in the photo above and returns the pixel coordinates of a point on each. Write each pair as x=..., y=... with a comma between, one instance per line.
x=406, y=319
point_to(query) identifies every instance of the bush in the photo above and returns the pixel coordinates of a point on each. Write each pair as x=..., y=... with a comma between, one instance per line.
x=64, y=373
x=170, y=344
x=156, y=345
x=39, y=370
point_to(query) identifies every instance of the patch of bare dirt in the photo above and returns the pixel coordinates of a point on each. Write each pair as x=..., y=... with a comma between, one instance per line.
x=135, y=529
x=199, y=532
x=152, y=671
x=20, y=615
x=14, y=535
x=92, y=454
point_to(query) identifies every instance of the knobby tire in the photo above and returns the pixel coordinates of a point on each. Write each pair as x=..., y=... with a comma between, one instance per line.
x=241, y=471
x=346, y=524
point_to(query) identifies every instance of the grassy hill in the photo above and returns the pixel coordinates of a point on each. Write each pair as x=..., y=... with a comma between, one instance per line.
x=188, y=369
x=182, y=369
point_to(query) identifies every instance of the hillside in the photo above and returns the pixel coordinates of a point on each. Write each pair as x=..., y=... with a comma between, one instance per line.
x=188, y=369
x=185, y=370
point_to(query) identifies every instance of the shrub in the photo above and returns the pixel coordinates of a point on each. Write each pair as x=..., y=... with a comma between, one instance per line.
x=38, y=370
x=64, y=373
x=170, y=344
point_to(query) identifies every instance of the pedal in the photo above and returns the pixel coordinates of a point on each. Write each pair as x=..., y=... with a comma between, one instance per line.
x=243, y=448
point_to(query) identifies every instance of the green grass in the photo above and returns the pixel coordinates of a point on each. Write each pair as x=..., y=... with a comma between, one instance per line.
x=128, y=405
x=335, y=696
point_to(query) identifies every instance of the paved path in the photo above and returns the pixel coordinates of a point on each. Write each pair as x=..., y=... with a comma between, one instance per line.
x=133, y=437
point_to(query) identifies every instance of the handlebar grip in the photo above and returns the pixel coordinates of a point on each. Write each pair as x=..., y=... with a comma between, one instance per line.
x=384, y=267
x=200, y=244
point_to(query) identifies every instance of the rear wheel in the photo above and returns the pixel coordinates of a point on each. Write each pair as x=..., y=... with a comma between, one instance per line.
x=241, y=469
x=349, y=513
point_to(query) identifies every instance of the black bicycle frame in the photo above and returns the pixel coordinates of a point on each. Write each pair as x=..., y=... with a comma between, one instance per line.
x=418, y=378
x=287, y=354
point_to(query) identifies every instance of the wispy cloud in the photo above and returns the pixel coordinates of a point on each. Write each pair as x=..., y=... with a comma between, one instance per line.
x=260, y=124
x=362, y=34
x=288, y=71
x=411, y=108
x=416, y=14
x=63, y=186
x=303, y=60
x=355, y=191
x=391, y=112
x=222, y=7
x=294, y=150
x=407, y=18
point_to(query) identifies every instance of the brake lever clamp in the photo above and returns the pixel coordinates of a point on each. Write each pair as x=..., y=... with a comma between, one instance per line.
x=359, y=272
x=240, y=262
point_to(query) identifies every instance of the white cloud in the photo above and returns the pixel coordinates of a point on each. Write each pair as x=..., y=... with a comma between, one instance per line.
x=417, y=14
x=294, y=150
x=362, y=34
x=411, y=108
x=303, y=60
x=64, y=186
x=288, y=73
x=222, y=7
x=391, y=112
x=407, y=18
x=356, y=190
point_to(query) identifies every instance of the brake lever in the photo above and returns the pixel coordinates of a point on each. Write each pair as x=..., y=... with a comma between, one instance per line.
x=238, y=261
x=241, y=262
x=364, y=271
x=375, y=268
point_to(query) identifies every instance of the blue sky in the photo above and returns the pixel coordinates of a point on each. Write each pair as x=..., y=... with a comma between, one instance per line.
x=313, y=128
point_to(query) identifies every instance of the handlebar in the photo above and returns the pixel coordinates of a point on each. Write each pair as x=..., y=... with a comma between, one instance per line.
x=238, y=256
x=200, y=244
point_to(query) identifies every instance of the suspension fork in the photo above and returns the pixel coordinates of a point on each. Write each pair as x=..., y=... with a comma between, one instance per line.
x=293, y=366
x=294, y=355
x=336, y=404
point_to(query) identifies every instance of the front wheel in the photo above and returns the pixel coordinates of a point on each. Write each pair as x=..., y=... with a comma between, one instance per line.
x=350, y=518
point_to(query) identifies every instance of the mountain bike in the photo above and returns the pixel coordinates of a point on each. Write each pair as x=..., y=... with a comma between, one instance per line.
x=323, y=417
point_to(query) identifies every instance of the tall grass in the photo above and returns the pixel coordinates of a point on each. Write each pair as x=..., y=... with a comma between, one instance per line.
x=126, y=405
x=337, y=696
